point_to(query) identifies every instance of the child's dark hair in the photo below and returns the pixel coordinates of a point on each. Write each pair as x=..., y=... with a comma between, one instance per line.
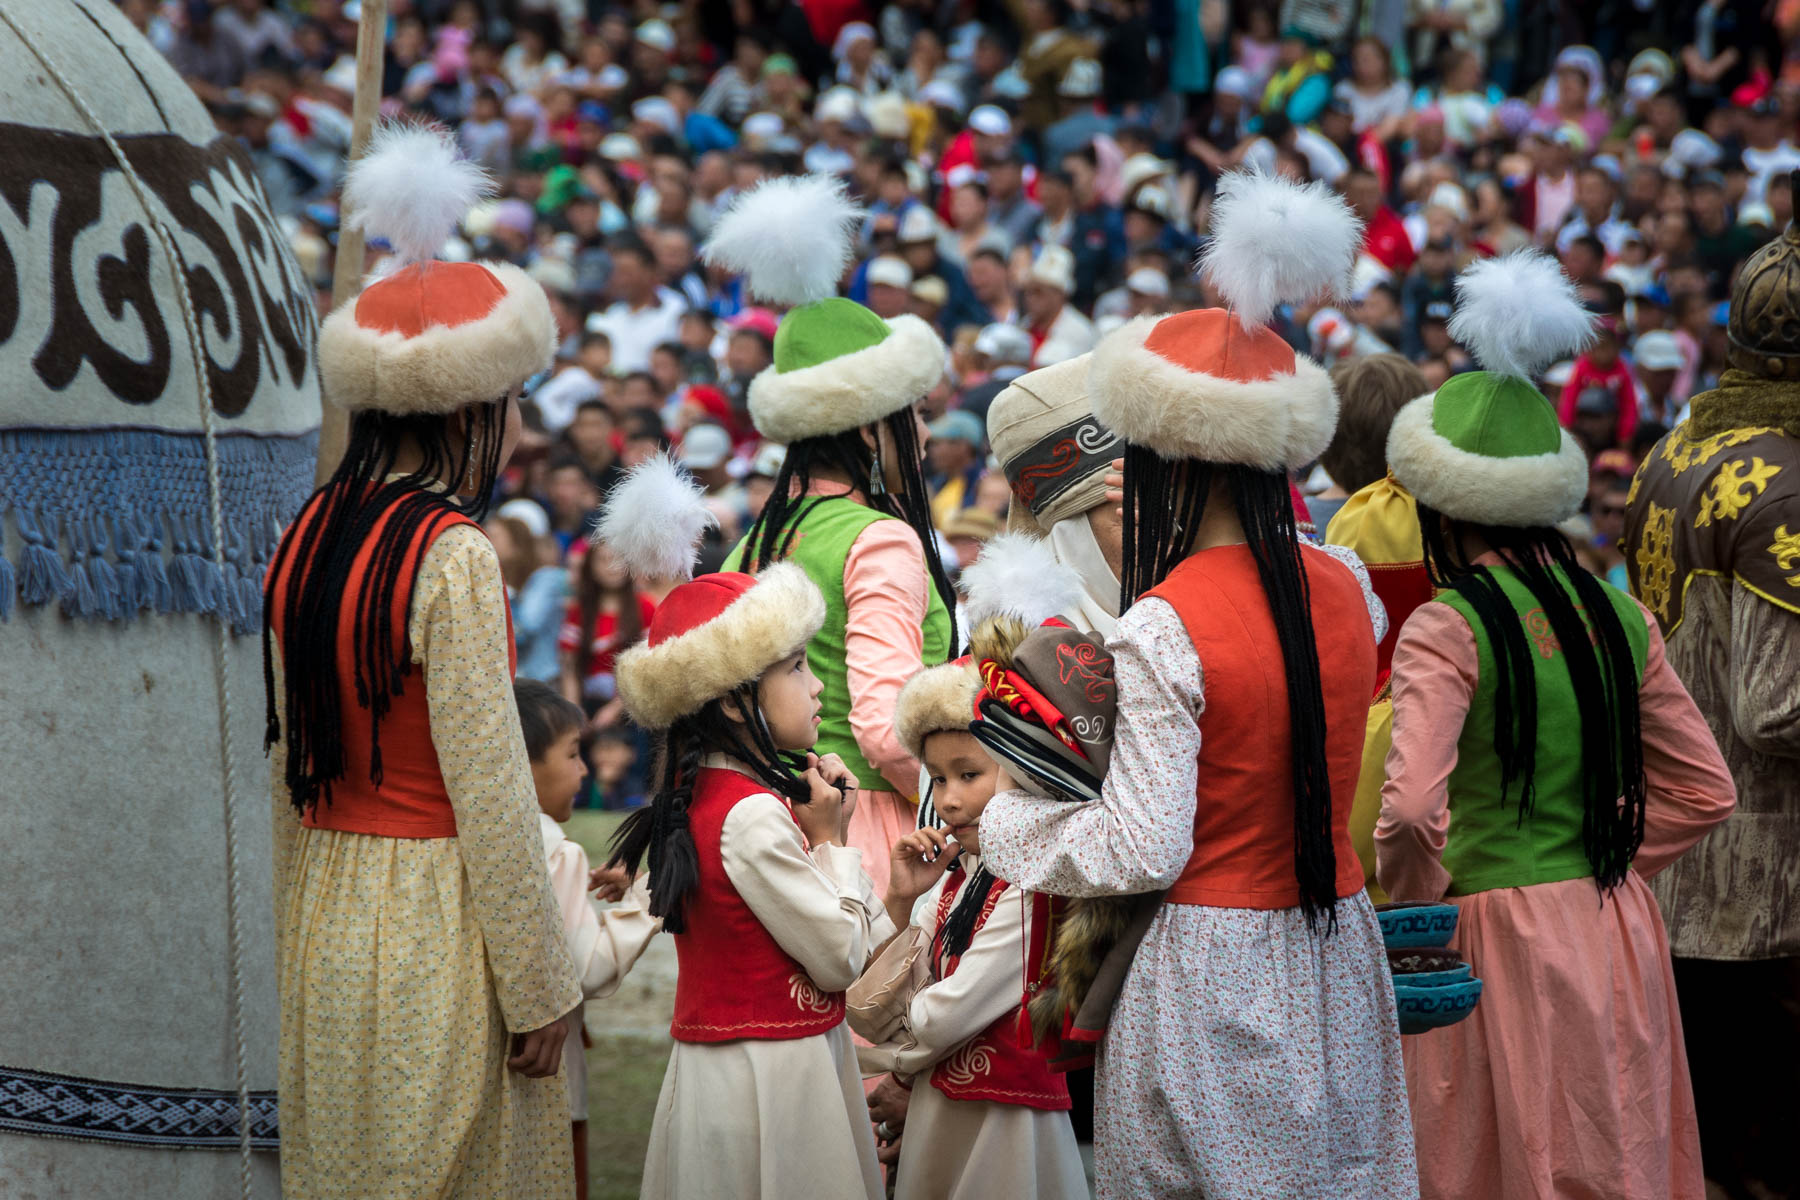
x=659, y=831
x=544, y=714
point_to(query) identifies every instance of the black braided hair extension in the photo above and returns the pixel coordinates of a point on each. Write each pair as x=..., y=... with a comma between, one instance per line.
x=1602, y=674
x=1266, y=509
x=771, y=536
x=915, y=507
x=958, y=929
x=1164, y=502
x=357, y=503
x=658, y=832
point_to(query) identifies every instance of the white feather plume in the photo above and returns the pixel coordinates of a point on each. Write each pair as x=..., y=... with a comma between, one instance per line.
x=411, y=188
x=1274, y=242
x=654, y=519
x=1516, y=313
x=1018, y=575
x=790, y=238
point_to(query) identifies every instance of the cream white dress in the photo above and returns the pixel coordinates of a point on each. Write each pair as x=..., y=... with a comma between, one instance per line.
x=960, y=1149
x=405, y=964
x=767, y=1119
x=1247, y=1058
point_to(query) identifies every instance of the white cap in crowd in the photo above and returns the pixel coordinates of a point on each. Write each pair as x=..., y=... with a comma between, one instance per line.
x=890, y=270
x=918, y=224
x=1148, y=281
x=1153, y=198
x=656, y=34
x=704, y=447
x=1235, y=81
x=1658, y=350
x=1054, y=266
x=991, y=121
x=1081, y=81
x=1001, y=343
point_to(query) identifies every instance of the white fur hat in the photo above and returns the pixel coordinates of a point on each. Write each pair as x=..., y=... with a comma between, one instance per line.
x=837, y=364
x=430, y=337
x=936, y=700
x=1217, y=384
x=710, y=635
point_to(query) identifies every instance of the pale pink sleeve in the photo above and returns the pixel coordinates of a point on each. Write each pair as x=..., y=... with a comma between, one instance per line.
x=884, y=601
x=1689, y=789
x=1435, y=670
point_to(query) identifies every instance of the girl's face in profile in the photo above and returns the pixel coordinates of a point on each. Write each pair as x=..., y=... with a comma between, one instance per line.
x=788, y=693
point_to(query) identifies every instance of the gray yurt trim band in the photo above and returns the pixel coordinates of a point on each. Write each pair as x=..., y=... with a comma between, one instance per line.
x=94, y=1110
x=110, y=523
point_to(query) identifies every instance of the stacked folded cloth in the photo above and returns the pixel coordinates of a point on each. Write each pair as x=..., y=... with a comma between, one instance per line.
x=1433, y=986
x=1046, y=711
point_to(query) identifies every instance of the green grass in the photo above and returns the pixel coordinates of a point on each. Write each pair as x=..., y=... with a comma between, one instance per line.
x=625, y=1072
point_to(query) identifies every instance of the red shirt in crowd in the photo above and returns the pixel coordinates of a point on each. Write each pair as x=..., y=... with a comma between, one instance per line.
x=1615, y=379
x=1385, y=240
x=603, y=646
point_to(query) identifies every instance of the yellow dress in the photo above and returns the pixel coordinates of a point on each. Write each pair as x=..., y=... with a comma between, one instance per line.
x=405, y=963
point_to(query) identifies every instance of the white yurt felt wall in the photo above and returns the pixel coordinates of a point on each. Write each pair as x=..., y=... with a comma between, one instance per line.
x=132, y=1013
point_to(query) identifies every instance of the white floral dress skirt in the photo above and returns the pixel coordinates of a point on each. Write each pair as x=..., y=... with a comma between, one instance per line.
x=1248, y=1058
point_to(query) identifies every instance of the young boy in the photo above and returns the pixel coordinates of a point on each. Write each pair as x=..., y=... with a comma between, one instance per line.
x=603, y=945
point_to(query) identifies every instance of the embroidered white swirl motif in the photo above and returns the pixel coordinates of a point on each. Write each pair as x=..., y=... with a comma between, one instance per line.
x=973, y=1059
x=1094, y=440
x=1088, y=727
x=804, y=993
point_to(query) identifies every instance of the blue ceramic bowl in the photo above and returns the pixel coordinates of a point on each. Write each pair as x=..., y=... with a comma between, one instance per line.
x=1416, y=924
x=1433, y=979
x=1423, y=1008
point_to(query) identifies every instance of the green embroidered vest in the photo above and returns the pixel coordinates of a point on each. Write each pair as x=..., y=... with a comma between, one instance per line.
x=822, y=546
x=1488, y=846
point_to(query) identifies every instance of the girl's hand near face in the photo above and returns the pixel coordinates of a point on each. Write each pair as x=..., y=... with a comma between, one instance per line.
x=831, y=768
x=919, y=860
x=828, y=776
x=821, y=818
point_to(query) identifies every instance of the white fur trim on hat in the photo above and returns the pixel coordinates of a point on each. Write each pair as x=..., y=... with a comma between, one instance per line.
x=777, y=616
x=1273, y=424
x=1525, y=492
x=850, y=390
x=936, y=700
x=443, y=368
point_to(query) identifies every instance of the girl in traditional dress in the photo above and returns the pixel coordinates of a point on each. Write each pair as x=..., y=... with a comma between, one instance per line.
x=942, y=1001
x=849, y=505
x=772, y=914
x=1253, y=1050
x=420, y=953
x=1545, y=761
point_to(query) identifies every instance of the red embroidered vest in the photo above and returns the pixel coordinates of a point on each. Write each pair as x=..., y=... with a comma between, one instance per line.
x=735, y=981
x=1243, y=853
x=992, y=1065
x=410, y=801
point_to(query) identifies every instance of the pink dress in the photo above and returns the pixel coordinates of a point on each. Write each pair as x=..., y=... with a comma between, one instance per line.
x=1570, y=1078
x=885, y=599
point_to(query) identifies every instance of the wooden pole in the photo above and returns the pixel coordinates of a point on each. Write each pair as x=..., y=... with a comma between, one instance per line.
x=371, y=41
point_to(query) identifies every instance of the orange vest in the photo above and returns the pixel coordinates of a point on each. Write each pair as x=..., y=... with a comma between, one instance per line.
x=410, y=801
x=1243, y=853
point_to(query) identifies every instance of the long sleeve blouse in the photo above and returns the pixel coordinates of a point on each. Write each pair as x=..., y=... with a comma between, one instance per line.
x=1436, y=670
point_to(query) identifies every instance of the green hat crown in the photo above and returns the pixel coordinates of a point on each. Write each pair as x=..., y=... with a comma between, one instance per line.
x=1487, y=447
x=830, y=328
x=1495, y=416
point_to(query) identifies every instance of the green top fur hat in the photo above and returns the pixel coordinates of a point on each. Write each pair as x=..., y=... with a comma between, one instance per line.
x=1487, y=447
x=837, y=365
